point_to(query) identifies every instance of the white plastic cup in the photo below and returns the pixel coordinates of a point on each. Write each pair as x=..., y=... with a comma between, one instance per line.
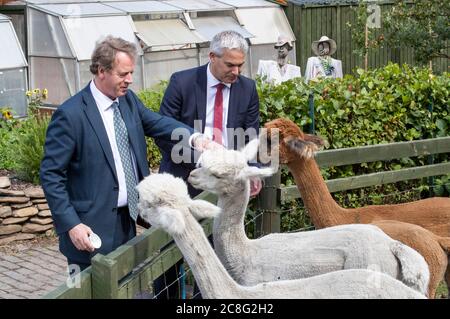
x=95, y=240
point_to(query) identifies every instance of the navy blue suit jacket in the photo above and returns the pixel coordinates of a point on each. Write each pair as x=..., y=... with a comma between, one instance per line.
x=78, y=173
x=185, y=101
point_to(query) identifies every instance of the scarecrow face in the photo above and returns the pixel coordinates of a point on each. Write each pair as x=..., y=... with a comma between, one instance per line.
x=283, y=51
x=324, y=48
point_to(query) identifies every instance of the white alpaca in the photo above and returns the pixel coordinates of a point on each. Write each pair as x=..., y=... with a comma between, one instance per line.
x=285, y=256
x=165, y=203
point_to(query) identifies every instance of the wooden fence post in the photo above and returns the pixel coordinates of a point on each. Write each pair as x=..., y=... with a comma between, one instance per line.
x=105, y=281
x=268, y=201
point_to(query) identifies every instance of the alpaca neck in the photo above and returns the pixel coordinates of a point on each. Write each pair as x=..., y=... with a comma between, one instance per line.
x=321, y=206
x=212, y=278
x=228, y=227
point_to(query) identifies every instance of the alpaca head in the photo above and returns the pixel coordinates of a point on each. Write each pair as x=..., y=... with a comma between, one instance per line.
x=293, y=143
x=164, y=202
x=222, y=171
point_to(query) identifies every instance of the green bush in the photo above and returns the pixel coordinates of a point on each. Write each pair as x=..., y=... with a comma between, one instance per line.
x=380, y=106
x=29, y=147
x=152, y=98
x=7, y=130
x=389, y=104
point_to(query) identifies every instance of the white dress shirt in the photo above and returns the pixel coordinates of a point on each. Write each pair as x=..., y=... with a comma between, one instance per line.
x=107, y=113
x=274, y=74
x=210, y=98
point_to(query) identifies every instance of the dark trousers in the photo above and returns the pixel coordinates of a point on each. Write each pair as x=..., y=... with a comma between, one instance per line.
x=125, y=230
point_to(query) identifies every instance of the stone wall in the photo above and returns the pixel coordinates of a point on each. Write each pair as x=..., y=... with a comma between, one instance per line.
x=23, y=213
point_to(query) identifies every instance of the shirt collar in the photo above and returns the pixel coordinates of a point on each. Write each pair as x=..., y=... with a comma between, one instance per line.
x=211, y=79
x=103, y=102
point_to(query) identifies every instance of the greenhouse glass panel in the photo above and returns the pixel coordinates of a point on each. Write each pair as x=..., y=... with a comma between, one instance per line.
x=268, y=29
x=11, y=55
x=86, y=75
x=136, y=7
x=79, y=9
x=56, y=75
x=199, y=5
x=12, y=90
x=48, y=36
x=18, y=22
x=160, y=65
x=165, y=33
x=85, y=32
x=267, y=52
x=54, y=1
x=249, y=3
x=204, y=58
x=204, y=55
x=208, y=27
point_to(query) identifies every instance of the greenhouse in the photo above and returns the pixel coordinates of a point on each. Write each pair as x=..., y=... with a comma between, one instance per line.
x=171, y=35
x=13, y=66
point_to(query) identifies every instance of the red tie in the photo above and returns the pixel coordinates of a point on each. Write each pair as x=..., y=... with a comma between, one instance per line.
x=218, y=115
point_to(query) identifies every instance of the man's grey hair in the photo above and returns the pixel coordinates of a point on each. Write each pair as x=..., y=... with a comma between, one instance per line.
x=105, y=52
x=228, y=40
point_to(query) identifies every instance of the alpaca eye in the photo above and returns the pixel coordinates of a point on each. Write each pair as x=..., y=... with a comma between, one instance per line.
x=216, y=175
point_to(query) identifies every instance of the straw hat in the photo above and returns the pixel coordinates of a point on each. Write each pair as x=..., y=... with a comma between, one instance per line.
x=282, y=40
x=324, y=38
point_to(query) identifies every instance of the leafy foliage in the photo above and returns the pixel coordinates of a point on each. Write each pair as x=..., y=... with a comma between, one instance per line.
x=390, y=104
x=7, y=125
x=358, y=31
x=423, y=26
x=152, y=98
x=29, y=148
x=22, y=140
x=419, y=24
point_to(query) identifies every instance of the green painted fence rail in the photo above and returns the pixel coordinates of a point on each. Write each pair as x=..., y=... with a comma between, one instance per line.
x=129, y=271
x=381, y=152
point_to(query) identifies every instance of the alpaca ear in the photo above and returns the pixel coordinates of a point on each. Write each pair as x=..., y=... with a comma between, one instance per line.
x=314, y=139
x=302, y=148
x=202, y=209
x=251, y=149
x=169, y=219
x=253, y=171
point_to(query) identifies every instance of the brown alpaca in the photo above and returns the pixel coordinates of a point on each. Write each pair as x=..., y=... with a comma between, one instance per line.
x=296, y=149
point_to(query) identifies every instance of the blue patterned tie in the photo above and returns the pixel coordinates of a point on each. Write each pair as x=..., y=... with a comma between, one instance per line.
x=123, y=145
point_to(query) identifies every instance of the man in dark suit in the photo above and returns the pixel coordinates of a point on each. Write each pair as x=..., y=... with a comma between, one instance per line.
x=95, y=154
x=216, y=100
x=193, y=95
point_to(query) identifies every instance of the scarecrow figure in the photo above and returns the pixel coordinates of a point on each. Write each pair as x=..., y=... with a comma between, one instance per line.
x=280, y=70
x=323, y=65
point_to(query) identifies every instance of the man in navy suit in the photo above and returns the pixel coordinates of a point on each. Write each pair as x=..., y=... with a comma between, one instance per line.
x=192, y=95
x=95, y=150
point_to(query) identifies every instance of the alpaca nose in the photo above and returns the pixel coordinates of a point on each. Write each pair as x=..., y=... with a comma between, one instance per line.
x=192, y=175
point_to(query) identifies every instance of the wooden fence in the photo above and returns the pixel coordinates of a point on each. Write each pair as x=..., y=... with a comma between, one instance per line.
x=129, y=271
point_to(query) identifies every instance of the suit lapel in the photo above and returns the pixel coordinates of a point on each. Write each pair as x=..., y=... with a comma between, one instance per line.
x=233, y=104
x=94, y=117
x=200, y=95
